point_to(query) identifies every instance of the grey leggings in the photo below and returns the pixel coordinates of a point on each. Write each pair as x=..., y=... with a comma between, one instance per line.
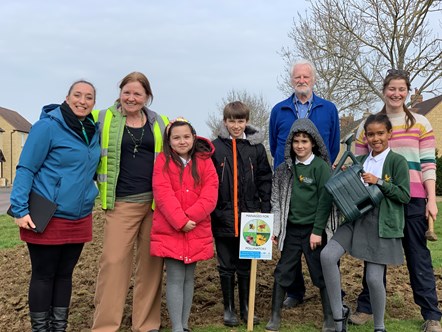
x=330, y=256
x=179, y=292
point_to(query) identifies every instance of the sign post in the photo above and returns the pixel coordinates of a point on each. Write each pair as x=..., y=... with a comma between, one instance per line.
x=255, y=243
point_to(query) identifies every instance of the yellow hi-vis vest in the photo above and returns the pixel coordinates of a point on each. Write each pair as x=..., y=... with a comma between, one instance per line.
x=111, y=125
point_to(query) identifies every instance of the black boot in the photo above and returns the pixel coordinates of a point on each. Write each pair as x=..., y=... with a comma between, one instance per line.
x=40, y=321
x=243, y=290
x=59, y=319
x=328, y=325
x=277, y=300
x=228, y=289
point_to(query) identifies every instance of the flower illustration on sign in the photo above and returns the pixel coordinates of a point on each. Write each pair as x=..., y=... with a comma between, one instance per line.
x=256, y=232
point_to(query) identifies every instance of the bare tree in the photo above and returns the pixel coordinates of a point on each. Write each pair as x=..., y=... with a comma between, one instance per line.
x=259, y=113
x=354, y=42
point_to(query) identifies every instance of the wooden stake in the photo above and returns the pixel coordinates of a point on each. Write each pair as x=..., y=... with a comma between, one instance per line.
x=252, y=290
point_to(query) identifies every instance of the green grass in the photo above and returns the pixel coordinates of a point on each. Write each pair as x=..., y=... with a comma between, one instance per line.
x=391, y=325
x=436, y=247
x=9, y=234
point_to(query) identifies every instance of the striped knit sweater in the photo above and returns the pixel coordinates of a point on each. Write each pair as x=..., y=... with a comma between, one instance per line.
x=417, y=145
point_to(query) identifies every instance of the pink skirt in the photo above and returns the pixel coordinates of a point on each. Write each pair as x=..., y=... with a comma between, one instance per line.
x=61, y=231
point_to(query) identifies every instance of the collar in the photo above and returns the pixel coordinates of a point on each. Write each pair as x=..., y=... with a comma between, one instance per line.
x=296, y=100
x=380, y=156
x=243, y=136
x=308, y=161
x=185, y=162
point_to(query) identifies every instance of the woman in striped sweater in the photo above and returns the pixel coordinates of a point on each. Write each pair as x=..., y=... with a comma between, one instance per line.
x=413, y=137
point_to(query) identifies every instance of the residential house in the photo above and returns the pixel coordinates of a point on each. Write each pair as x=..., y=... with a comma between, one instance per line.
x=348, y=125
x=432, y=110
x=13, y=134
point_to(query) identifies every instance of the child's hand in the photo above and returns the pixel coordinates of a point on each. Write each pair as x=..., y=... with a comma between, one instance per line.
x=275, y=239
x=369, y=178
x=315, y=241
x=189, y=226
x=343, y=167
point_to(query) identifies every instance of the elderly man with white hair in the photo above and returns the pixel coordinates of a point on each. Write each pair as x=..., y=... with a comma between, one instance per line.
x=303, y=103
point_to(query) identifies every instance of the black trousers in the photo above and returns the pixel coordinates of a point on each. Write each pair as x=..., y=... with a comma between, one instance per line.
x=296, y=243
x=227, y=253
x=51, y=279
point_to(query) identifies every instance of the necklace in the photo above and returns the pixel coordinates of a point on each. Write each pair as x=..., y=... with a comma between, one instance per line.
x=136, y=141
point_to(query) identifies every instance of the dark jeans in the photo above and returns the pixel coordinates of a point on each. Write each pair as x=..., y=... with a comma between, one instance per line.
x=51, y=279
x=420, y=267
x=227, y=254
x=296, y=243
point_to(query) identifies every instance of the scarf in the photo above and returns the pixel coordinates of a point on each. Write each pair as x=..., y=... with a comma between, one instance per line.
x=85, y=129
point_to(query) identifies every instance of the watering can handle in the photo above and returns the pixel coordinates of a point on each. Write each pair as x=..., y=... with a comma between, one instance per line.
x=345, y=156
x=347, y=140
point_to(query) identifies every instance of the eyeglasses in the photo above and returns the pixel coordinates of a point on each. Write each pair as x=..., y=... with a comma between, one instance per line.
x=399, y=72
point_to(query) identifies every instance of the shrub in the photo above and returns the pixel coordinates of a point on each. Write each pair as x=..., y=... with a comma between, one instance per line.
x=438, y=174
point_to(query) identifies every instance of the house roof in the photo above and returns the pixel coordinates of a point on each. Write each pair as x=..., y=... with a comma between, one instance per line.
x=426, y=106
x=353, y=126
x=18, y=122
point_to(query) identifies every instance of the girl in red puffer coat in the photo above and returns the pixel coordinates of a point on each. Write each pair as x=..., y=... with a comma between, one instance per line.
x=185, y=189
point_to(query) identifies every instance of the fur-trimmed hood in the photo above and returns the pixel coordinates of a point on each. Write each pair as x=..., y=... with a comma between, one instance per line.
x=253, y=134
x=306, y=126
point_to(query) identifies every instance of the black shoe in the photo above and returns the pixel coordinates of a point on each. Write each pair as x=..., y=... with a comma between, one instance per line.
x=291, y=302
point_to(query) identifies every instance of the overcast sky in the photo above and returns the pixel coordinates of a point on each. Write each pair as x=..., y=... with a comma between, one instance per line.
x=193, y=52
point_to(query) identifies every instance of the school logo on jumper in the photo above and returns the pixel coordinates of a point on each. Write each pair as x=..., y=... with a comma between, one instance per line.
x=387, y=178
x=305, y=179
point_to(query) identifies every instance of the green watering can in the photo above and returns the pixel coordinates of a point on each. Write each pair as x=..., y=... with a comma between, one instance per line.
x=350, y=194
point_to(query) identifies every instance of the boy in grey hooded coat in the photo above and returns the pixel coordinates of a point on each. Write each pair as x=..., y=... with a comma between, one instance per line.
x=301, y=207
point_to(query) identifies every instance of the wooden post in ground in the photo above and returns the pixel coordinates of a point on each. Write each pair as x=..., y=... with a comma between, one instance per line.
x=252, y=291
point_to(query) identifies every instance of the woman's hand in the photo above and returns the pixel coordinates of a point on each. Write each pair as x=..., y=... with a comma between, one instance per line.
x=315, y=241
x=189, y=226
x=25, y=222
x=431, y=209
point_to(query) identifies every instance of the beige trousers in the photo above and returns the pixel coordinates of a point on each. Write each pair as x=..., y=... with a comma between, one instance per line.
x=128, y=224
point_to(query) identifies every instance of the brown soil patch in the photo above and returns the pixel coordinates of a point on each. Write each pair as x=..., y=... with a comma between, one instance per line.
x=207, y=307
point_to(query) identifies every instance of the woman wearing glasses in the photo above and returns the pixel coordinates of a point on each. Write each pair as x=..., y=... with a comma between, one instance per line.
x=413, y=137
